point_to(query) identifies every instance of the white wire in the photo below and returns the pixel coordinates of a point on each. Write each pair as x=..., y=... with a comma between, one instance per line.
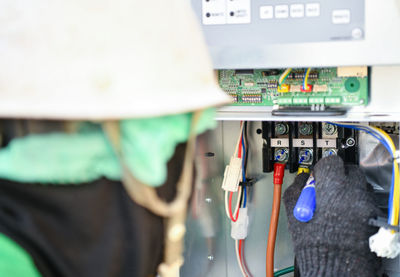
x=226, y=204
x=238, y=258
x=287, y=71
x=238, y=141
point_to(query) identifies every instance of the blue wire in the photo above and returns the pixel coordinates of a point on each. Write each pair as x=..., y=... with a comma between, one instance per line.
x=304, y=79
x=243, y=172
x=381, y=140
x=245, y=197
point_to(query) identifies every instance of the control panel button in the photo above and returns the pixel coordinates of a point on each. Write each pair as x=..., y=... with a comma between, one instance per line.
x=238, y=11
x=266, y=12
x=214, y=12
x=313, y=10
x=282, y=11
x=297, y=10
x=341, y=17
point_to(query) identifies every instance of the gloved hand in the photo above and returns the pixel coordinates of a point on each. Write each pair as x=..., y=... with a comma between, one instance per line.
x=335, y=242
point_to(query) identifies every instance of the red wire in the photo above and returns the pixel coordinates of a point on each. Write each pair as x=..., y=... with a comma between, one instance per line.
x=240, y=147
x=230, y=209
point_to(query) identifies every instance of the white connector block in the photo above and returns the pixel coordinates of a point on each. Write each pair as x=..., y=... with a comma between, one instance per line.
x=232, y=175
x=239, y=228
x=385, y=243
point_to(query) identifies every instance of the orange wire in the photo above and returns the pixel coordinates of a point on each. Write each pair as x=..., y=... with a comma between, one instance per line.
x=273, y=226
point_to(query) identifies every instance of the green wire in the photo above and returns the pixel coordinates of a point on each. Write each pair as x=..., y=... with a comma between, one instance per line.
x=287, y=75
x=284, y=271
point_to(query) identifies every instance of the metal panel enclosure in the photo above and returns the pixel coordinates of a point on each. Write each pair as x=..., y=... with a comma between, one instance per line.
x=291, y=33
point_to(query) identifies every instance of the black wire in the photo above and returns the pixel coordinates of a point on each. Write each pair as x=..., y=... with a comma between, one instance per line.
x=246, y=145
x=245, y=157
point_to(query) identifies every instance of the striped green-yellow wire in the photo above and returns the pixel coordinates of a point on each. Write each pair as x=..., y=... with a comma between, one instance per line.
x=284, y=76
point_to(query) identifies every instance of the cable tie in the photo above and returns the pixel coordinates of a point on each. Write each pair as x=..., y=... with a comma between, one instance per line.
x=249, y=183
x=382, y=222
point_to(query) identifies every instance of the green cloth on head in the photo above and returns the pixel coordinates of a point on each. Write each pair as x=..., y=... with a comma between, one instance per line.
x=14, y=260
x=61, y=158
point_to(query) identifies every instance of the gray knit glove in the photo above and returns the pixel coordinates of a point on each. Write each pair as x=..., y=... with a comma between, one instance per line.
x=335, y=242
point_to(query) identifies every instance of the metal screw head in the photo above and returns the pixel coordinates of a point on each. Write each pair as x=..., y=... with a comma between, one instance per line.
x=281, y=129
x=305, y=129
x=281, y=154
x=210, y=257
x=208, y=200
x=305, y=156
x=350, y=142
x=329, y=152
x=329, y=129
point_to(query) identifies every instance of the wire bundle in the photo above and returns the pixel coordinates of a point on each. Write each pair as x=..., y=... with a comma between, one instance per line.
x=387, y=142
x=241, y=151
x=229, y=195
x=239, y=245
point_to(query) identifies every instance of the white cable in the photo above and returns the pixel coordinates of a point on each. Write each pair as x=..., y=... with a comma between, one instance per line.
x=226, y=204
x=238, y=258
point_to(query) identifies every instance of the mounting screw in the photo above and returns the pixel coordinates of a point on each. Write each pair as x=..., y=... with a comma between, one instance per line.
x=350, y=142
x=305, y=156
x=210, y=257
x=281, y=129
x=305, y=129
x=329, y=152
x=208, y=200
x=329, y=129
x=281, y=154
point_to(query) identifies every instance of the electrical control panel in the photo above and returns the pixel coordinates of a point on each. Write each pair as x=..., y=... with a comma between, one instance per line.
x=336, y=87
x=300, y=144
x=283, y=22
x=276, y=33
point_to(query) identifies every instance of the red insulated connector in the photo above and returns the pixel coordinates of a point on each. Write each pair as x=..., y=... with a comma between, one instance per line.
x=279, y=172
x=308, y=89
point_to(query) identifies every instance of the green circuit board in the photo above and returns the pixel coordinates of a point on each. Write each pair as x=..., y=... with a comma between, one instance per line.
x=260, y=87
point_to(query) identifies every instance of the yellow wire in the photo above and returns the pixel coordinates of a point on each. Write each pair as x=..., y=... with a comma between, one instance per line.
x=306, y=78
x=284, y=75
x=396, y=190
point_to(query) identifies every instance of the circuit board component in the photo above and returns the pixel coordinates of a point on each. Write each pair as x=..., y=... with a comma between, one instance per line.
x=322, y=87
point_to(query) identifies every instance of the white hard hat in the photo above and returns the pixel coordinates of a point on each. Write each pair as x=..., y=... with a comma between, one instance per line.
x=103, y=59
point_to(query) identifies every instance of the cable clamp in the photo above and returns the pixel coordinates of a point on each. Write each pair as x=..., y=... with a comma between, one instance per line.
x=249, y=183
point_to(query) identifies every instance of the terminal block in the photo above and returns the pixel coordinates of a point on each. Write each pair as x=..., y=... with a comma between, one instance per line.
x=302, y=144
